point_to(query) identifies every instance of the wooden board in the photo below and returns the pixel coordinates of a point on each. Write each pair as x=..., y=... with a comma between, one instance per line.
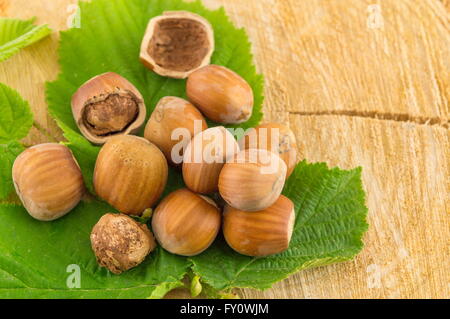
x=360, y=85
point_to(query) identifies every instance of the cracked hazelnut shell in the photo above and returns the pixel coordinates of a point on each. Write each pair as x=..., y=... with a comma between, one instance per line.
x=261, y=233
x=205, y=157
x=108, y=105
x=252, y=180
x=130, y=174
x=177, y=43
x=186, y=223
x=48, y=180
x=220, y=94
x=121, y=243
x=273, y=137
x=172, y=113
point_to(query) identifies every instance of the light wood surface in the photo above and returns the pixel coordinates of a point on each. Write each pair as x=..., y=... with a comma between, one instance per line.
x=358, y=87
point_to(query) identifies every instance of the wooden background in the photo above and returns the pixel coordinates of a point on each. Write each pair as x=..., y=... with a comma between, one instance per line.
x=358, y=87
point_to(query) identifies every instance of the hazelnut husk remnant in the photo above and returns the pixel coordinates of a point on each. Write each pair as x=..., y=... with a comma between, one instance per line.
x=177, y=43
x=260, y=233
x=276, y=138
x=220, y=94
x=205, y=157
x=186, y=223
x=130, y=174
x=172, y=114
x=120, y=243
x=108, y=105
x=252, y=180
x=48, y=180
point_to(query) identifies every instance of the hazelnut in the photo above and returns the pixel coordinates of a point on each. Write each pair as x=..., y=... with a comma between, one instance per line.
x=204, y=158
x=172, y=114
x=120, y=243
x=130, y=174
x=260, y=233
x=177, y=43
x=252, y=180
x=48, y=181
x=273, y=137
x=186, y=223
x=220, y=94
x=108, y=105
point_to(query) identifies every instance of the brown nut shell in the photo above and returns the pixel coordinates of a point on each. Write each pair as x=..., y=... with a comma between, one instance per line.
x=173, y=116
x=48, y=181
x=108, y=105
x=205, y=157
x=177, y=43
x=260, y=233
x=130, y=174
x=186, y=223
x=273, y=137
x=120, y=243
x=220, y=94
x=252, y=180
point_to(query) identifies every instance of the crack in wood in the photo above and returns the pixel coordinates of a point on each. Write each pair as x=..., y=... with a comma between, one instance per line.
x=397, y=117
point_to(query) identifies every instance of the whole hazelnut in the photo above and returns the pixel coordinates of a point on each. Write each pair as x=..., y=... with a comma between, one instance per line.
x=177, y=43
x=173, y=123
x=220, y=94
x=204, y=158
x=108, y=105
x=186, y=223
x=120, y=243
x=48, y=180
x=252, y=180
x=260, y=233
x=130, y=174
x=276, y=138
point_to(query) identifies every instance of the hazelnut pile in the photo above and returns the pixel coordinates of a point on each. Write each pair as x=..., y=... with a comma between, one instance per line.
x=131, y=172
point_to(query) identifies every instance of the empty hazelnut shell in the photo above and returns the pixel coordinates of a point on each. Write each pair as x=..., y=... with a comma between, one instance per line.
x=108, y=105
x=177, y=43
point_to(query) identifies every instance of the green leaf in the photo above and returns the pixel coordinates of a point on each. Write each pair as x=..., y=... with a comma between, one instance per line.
x=16, y=34
x=16, y=118
x=8, y=153
x=36, y=259
x=330, y=221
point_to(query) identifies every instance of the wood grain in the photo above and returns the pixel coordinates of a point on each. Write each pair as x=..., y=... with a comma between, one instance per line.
x=359, y=87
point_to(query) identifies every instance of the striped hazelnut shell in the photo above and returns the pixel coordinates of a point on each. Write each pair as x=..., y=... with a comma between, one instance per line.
x=130, y=174
x=48, y=180
x=220, y=94
x=205, y=157
x=108, y=105
x=186, y=223
x=276, y=138
x=172, y=125
x=260, y=233
x=252, y=180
